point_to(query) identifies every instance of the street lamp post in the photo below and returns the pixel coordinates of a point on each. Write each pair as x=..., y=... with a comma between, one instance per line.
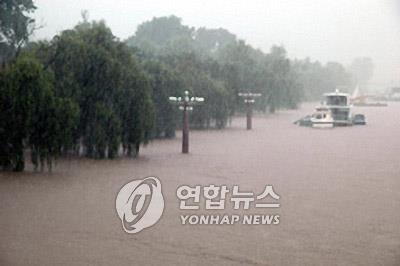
x=186, y=104
x=249, y=100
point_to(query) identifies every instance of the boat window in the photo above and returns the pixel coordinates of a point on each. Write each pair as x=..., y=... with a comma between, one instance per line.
x=337, y=100
x=340, y=114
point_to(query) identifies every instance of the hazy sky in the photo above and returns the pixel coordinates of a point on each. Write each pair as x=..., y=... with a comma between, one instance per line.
x=324, y=30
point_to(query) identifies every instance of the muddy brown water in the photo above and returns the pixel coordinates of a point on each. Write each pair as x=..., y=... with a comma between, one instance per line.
x=339, y=188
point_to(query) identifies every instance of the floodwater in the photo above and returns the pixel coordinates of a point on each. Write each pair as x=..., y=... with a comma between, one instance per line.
x=339, y=188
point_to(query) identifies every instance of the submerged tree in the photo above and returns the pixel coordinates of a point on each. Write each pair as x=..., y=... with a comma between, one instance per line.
x=32, y=116
x=99, y=73
x=164, y=83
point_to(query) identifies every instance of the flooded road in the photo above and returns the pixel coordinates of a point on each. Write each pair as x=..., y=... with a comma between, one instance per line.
x=339, y=188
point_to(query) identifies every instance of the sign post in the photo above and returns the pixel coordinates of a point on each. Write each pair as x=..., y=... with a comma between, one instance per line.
x=186, y=104
x=249, y=100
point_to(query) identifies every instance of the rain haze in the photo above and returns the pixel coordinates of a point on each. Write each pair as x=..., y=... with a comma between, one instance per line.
x=323, y=30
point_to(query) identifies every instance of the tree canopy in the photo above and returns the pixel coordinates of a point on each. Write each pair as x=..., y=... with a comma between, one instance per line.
x=16, y=25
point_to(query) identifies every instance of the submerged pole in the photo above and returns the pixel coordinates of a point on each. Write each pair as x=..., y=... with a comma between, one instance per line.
x=249, y=115
x=249, y=100
x=186, y=104
x=185, y=131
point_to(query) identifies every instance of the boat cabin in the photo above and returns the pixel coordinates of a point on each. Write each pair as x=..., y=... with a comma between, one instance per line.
x=339, y=105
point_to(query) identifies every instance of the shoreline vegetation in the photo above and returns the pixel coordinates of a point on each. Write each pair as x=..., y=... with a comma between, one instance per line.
x=87, y=91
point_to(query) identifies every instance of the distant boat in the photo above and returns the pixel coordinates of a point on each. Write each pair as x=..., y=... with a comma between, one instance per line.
x=335, y=110
x=359, y=99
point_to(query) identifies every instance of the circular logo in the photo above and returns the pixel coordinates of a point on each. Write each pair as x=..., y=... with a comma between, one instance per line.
x=140, y=204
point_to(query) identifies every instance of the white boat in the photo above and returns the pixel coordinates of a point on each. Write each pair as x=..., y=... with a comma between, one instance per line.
x=322, y=118
x=335, y=110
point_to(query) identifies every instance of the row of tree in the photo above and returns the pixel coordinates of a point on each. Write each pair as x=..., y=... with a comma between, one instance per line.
x=83, y=92
x=86, y=92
